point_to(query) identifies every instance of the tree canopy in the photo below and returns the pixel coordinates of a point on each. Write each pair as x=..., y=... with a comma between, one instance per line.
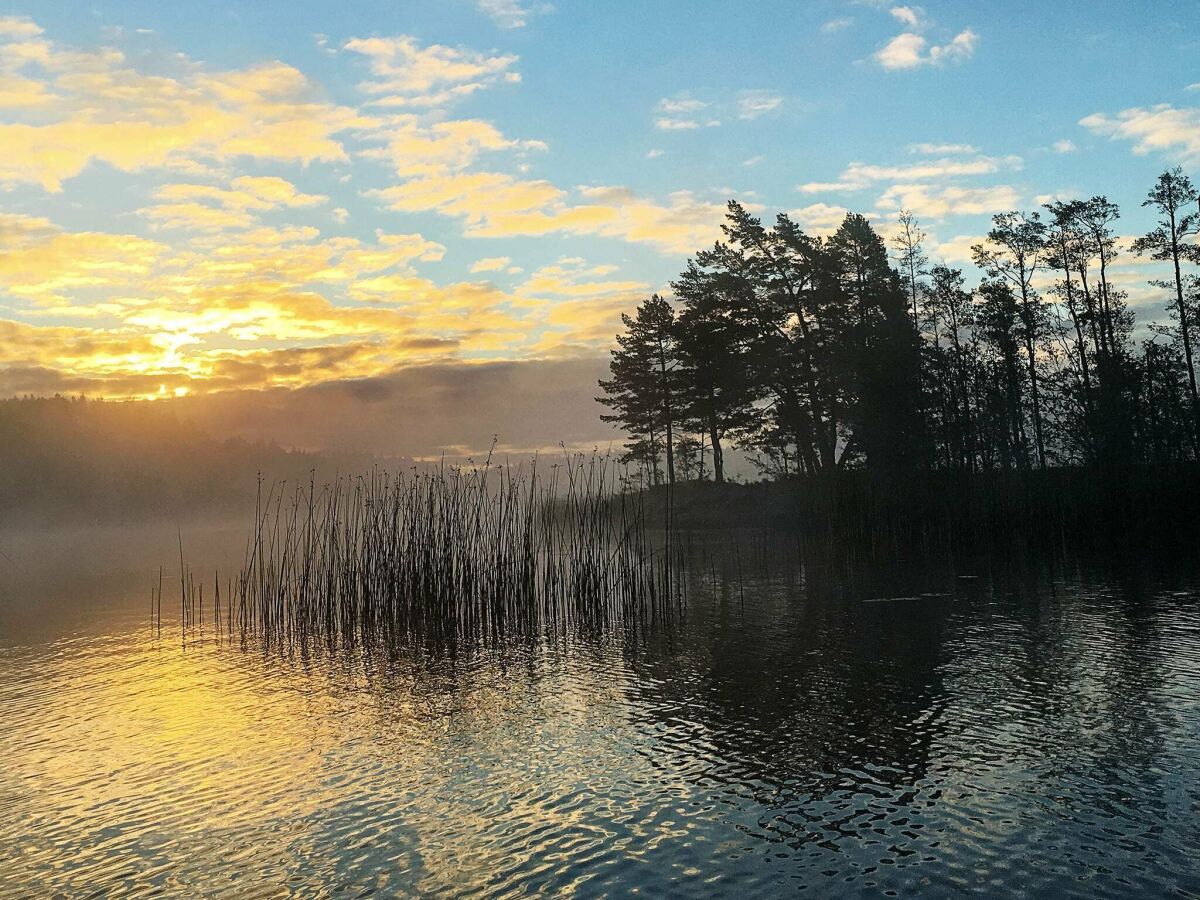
x=817, y=354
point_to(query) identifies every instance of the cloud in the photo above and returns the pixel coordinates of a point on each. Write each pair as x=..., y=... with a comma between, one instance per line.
x=942, y=149
x=937, y=202
x=572, y=277
x=101, y=108
x=1166, y=129
x=752, y=104
x=193, y=315
x=284, y=307
x=1064, y=146
x=668, y=124
x=407, y=74
x=232, y=282
x=45, y=359
x=18, y=27
x=927, y=187
x=49, y=348
x=20, y=93
x=491, y=264
x=414, y=147
x=495, y=204
x=578, y=307
x=907, y=15
x=511, y=13
x=653, y=154
x=267, y=192
x=858, y=176
x=197, y=217
x=42, y=264
x=820, y=218
x=681, y=104
x=904, y=51
x=909, y=50
x=686, y=113
x=587, y=325
x=474, y=196
x=956, y=250
x=232, y=298
x=836, y=25
x=679, y=113
x=208, y=208
x=961, y=47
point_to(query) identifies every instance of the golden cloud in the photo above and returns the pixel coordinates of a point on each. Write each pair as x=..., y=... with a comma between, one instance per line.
x=211, y=295
x=495, y=204
x=101, y=109
x=407, y=74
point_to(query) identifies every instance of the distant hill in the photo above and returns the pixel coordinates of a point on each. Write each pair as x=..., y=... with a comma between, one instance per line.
x=91, y=461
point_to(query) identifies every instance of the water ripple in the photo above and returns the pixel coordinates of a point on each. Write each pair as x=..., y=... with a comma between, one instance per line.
x=977, y=740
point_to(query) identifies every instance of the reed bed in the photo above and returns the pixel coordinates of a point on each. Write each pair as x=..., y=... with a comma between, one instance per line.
x=444, y=554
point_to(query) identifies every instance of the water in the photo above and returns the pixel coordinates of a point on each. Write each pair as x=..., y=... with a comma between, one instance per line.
x=1023, y=733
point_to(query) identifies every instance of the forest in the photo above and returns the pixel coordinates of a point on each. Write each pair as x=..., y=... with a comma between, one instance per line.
x=817, y=355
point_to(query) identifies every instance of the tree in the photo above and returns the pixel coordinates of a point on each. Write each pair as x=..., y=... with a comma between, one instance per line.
x=1000, y=330
x=1164, y=423
x=689, y=454
x=780, y=288
x=717, y=393
x=911, y=259
x=1093, y=219
x=642, y=388
x=1172, y=195
x=1065, y=252
x=885, y=356
x=950, y=303
x=818, y=354
x=1017, y=242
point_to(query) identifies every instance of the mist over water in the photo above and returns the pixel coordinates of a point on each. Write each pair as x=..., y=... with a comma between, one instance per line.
x=796, y=731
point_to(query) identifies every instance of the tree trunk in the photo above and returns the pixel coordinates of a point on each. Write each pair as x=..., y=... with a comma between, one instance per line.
x=668, y=415
x=1033, y=380
x=1015, y=412
x=717, y=454
x=653, y=459
x=1184, y=330
x=1081, y=348
x=670, y=453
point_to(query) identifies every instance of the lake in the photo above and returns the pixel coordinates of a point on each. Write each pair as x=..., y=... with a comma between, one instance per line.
x=1016, y=729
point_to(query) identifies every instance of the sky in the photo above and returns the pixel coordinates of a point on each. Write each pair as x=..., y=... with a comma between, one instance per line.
x=313, y=207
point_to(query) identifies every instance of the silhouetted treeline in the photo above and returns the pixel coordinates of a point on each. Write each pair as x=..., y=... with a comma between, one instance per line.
x=818, y=355
x=95, y=461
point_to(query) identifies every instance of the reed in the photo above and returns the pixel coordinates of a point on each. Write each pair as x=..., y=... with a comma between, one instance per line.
x=446, y=554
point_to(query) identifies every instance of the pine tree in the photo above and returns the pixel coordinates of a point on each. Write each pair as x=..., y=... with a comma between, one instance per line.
x=642, y=391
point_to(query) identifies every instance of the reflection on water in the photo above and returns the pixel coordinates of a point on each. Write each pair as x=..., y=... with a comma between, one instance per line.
x=924, y=736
